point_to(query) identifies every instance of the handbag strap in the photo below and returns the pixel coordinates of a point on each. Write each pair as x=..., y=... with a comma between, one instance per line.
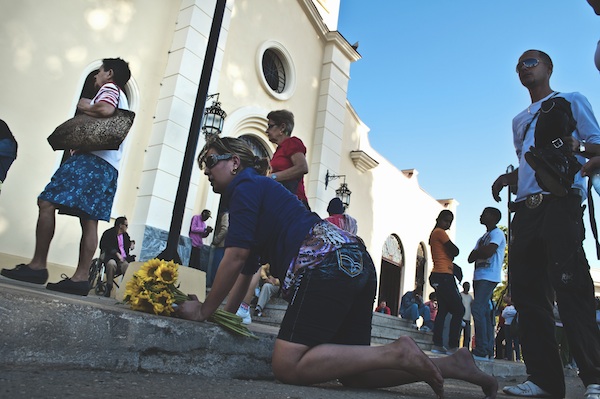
x=537, y=113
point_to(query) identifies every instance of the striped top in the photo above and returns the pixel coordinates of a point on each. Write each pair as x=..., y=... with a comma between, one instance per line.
x=111, y=94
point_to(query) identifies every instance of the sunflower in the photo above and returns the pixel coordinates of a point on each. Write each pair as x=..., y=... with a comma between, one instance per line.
x=133, y=288
x=162, y=302
x=148, y=269
x=143, y=302
x=167, y=273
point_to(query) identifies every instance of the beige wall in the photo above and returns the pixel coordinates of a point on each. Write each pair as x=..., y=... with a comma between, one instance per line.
x=48, y=49
x=46, y=65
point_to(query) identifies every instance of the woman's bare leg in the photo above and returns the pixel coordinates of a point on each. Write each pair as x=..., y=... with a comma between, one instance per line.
x=302, y=365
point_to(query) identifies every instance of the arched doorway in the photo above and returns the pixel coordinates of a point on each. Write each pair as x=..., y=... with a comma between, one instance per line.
x=390, y=279
x=420, y=267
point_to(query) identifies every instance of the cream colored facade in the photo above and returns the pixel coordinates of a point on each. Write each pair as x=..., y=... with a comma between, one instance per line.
x=50, y=47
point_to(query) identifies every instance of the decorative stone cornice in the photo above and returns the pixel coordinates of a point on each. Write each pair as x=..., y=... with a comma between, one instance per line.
x=362, y=160
x=330, y=36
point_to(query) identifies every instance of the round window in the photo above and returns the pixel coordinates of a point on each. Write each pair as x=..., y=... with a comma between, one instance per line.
x=273, y=71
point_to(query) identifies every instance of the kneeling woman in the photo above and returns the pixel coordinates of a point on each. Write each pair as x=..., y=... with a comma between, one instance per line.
x=328, y=278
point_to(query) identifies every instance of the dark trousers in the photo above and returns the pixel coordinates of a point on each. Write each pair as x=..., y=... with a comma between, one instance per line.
x=466, y=330
x=512, y=347
x=500, y=343
x=449, y=301
x=195, y=258
x=546, y=256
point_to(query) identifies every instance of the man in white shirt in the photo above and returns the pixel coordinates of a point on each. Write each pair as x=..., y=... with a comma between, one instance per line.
x=546, y=253
x=488, y=256
x=467, y=299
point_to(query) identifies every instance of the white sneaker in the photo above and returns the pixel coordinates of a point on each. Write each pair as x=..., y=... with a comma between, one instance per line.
x=527, y=390
x=440, y=350
x=244, y=314
x=451, y=351
x=592, y=392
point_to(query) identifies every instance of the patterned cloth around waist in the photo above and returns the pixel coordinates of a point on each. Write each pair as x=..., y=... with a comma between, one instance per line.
x=322, y=239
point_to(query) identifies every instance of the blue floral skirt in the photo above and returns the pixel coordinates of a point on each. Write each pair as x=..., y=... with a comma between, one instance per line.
x=83, y=186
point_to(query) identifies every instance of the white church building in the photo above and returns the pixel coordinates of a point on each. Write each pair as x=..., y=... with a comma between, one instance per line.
x=271, y=55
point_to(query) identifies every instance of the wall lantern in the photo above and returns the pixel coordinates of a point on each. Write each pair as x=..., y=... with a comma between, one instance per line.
x=214, y=117
x=343, y=192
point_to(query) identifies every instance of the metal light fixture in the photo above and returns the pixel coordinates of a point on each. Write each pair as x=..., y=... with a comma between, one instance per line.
x=342, y=192
x=214, y=117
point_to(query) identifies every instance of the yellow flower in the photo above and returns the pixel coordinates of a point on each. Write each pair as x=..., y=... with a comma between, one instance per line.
x=156, y=287
x=148, y=269
x=158, y=308
x=143, y=303
x=132, y=289
x=163, y=297
x=166, y=273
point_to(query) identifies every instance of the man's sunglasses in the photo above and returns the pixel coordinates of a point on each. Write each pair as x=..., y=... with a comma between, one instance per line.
x=527, y=63
x=211, y=160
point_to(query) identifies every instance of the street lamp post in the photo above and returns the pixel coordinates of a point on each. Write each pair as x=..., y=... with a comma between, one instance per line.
x=509, y=170
x=170, y=252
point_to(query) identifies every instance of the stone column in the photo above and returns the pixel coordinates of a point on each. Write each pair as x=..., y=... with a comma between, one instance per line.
x=172, y=119
x=329, y=127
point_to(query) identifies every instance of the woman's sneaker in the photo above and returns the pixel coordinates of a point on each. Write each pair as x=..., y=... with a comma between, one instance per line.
x=440, y=350
x=592, y=392
x=526, y=390
x=244, y=313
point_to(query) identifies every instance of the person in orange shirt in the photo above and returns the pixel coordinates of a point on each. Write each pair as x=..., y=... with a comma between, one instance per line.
x=443, y=251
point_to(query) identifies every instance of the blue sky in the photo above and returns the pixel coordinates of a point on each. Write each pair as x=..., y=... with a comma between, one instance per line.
x=437, y=86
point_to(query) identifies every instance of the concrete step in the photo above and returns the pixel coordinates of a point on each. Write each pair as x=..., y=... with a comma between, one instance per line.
x=47, y=329
x=386, y=329
x=272, y=313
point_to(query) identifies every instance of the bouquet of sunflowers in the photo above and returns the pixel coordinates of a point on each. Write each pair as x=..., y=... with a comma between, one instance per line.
x=152, y=289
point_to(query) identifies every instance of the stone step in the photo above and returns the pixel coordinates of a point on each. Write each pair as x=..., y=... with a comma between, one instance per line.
x=391, y=321
x=385, y=328
x=47, y=329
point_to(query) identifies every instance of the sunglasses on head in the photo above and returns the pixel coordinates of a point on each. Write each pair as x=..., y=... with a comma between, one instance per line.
x=211, y=160
x=527, y=63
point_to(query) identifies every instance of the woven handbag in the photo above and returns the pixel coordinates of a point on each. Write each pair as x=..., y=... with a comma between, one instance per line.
x=87, y=133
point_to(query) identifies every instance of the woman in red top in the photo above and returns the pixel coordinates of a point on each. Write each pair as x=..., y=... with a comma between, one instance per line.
x=288, y=165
